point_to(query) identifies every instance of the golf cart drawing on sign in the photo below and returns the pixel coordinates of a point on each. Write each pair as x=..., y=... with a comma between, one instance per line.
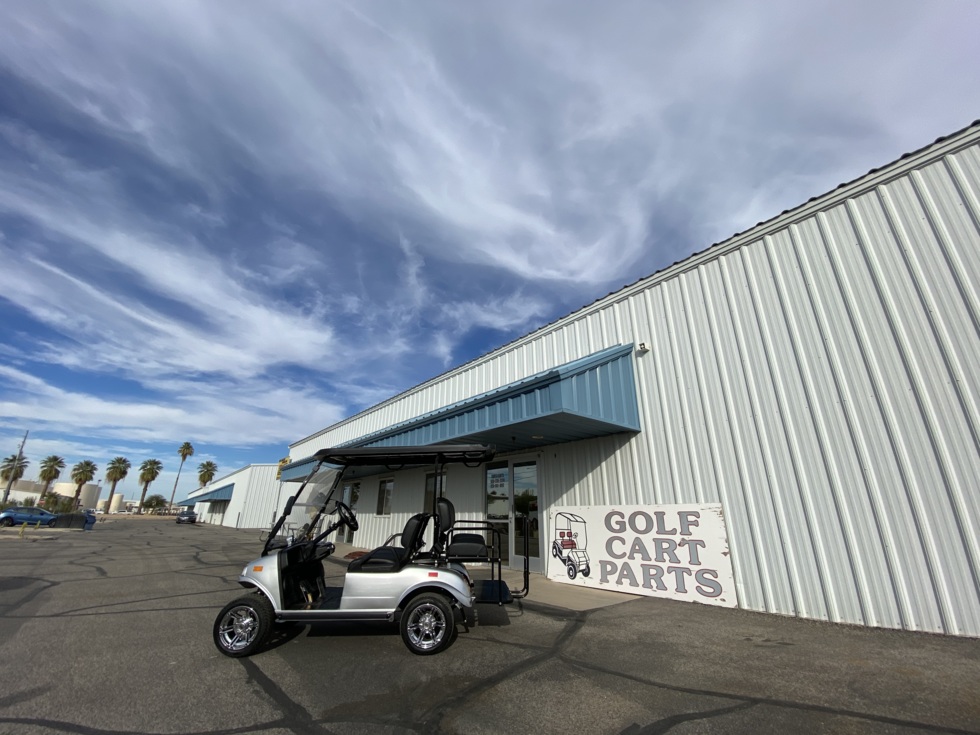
x=570, y=544
x=426, y=592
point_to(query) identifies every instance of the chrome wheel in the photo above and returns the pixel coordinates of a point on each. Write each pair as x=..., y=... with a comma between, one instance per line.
x=238, y=628
x=428, y=624
x=243, y=625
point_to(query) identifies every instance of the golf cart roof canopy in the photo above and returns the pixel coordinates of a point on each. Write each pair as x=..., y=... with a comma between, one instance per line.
x=395, y=457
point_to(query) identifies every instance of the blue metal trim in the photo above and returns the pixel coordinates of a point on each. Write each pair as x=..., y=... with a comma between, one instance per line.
x=222, y=493
x=297, y=469
x=589, y=397
x=600, y=389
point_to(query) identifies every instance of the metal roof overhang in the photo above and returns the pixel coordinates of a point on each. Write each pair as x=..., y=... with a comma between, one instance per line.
x=223, y=493
x=590, y=397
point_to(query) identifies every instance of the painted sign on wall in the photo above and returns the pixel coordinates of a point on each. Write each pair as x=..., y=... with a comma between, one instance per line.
x=676, y=551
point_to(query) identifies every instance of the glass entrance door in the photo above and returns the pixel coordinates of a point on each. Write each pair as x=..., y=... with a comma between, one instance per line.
x=525, y=518
x=498, y=508
x=512, y=496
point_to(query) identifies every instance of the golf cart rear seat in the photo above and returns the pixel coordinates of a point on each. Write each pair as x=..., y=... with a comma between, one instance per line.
x=455, y=543
x=389, y=558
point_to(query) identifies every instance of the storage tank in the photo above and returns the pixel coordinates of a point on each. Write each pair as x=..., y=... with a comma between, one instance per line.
x=118, y=503
x=88, y=497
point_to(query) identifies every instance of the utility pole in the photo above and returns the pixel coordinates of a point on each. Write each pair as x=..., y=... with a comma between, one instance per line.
x=13, y=471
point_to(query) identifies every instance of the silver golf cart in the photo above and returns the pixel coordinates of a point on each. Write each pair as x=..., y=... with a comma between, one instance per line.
x=426, y=592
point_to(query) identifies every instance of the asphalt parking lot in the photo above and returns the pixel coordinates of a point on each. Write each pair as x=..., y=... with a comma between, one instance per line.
x=109, y=632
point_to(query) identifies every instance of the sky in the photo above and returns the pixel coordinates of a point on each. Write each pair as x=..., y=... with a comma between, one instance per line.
x=235, y=224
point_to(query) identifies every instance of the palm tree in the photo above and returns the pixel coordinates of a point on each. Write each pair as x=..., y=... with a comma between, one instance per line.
x=185, y=450
x=115, y=471
x=51, y=468
x=149, y=471
x=206, y=472
x=81, y=473
x=13, y=466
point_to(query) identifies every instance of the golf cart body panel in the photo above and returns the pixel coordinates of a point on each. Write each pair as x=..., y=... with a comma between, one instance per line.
x=263, y=574
x=364, y=592
x=373, y=590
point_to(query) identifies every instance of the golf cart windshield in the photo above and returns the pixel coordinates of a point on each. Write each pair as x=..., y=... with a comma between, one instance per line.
x=320, y=486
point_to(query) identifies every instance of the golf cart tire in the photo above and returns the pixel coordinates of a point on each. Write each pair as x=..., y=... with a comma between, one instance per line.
x=571, y=569
x=586, y=571
x=243, y=625
x=428, y=624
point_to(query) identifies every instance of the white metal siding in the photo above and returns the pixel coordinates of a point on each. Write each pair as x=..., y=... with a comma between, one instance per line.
x=256, y=497
x=819, y=376
x=464, y=486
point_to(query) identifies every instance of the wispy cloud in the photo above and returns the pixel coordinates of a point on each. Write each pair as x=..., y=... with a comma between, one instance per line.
x=242, y=226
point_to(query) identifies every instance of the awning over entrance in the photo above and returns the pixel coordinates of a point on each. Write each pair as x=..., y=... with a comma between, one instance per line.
x=223, y=493
x=590, y=397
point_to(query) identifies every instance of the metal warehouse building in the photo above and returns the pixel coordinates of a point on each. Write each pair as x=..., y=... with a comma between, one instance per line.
x=816, y=377
x=245, y=498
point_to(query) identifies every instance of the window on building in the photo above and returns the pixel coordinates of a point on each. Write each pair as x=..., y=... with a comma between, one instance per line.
x=384, y=496
x=433, y=485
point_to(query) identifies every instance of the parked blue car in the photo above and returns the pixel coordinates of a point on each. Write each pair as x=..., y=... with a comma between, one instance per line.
x=26, y=514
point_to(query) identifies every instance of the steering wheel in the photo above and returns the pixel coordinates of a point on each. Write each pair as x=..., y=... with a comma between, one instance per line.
x=347, y=516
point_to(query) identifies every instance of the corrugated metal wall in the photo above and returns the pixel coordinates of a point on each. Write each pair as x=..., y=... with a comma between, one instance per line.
x=464, y=486
x=819, y=376
x=253, y=503
x=262, y=498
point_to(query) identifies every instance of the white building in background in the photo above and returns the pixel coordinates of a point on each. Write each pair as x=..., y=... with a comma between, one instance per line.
x=24, y=491
x=246, y=498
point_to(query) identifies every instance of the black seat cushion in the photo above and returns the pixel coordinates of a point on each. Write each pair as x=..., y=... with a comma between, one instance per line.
x=445, y=516
x=382, y=559
x=467, y=544
x=412, y=536
x=393, y=558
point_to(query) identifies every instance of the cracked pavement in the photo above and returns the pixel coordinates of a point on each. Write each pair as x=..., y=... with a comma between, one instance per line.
x=109, y=632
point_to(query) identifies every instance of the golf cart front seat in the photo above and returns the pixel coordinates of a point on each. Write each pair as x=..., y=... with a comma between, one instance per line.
x=458, y=546
x=392, y=558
